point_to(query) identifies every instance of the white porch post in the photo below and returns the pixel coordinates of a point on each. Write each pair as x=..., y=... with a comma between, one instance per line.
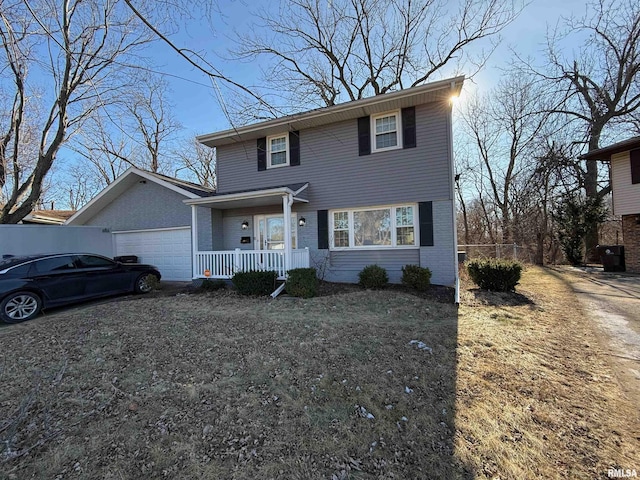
x=194, y=239
x=287, y=200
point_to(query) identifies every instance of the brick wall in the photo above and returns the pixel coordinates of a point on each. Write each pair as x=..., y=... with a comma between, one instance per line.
x=631, y=241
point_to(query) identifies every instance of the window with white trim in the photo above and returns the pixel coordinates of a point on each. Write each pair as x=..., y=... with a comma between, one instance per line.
x=277, y=151
x=385, y=131
x=374, y=227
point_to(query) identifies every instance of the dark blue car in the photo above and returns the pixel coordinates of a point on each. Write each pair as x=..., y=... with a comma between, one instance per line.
x=32, y=283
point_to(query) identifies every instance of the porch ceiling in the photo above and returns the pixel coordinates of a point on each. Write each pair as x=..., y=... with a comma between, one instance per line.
x=256, y=198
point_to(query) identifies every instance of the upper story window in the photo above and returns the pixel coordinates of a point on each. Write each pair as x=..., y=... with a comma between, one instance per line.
x=277, y=151
x=385, y=131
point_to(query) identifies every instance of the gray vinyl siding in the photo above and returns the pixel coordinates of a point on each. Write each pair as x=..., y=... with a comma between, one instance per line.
x=144, y=206
x=339, y=178
x=441, y=257
x=344, y=266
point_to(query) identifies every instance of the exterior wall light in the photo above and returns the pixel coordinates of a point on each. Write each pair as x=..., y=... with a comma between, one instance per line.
x=245, y=225
x=302, y=222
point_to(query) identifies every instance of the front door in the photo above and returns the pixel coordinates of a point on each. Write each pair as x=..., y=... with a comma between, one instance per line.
x=270, y=232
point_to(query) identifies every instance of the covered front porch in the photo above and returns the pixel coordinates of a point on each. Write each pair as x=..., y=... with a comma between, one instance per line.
x=251, y=230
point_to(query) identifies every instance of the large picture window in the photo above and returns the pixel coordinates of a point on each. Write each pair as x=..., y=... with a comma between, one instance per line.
x=375, y=227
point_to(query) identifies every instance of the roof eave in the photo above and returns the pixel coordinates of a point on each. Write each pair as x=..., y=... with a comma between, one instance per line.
x=240, y=196
x=604, y=154
x=453, y=85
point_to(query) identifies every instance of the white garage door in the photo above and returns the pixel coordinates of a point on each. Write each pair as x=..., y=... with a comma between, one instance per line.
x=167, y=249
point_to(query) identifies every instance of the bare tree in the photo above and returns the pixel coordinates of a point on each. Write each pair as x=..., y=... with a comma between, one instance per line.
x=80, y=186
x=82, y=46
x=504, y=127
x=138, y=130
x=323, y=53
x=155, y=124
x=198, y=162
x=599, y=84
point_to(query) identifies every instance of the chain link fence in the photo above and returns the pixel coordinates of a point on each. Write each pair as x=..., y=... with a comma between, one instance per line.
x=495, y=250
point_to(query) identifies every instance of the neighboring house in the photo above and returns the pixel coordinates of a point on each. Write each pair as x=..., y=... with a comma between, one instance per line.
x=147, y=217
x=365, y=182
x=48, y=217
x=625, y=183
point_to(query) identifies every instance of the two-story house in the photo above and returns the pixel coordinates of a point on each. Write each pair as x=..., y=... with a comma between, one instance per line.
x=338, y=188
x=625, y=184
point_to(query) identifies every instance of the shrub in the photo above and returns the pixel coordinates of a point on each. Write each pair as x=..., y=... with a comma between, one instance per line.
x=373, y=276
x=496, y=275
x=302, y=282
x=254, y=282
x=211, y=285
x=416, y=277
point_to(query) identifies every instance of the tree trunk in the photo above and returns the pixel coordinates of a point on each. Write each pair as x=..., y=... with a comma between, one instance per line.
x=591, y=190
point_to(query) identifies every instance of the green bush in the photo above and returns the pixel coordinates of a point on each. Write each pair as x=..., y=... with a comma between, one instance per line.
x=302, y=282
x=373, y=276
x=211, y=285
x=496, y=275
x=416, y=277
x=254, y=282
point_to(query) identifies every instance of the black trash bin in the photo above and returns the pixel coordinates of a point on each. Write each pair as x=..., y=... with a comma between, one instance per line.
x=126, y=259
x=612, y=257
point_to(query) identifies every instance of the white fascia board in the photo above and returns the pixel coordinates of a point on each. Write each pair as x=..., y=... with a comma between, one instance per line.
x=454, y=84
x=272, y=192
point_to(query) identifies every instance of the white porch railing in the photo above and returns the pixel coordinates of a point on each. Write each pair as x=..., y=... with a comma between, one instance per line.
x=224, y=263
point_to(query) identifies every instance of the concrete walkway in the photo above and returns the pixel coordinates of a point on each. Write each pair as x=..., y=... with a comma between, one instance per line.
x=612, y=300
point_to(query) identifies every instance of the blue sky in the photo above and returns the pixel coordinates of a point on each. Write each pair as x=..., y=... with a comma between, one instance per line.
x=195, y=103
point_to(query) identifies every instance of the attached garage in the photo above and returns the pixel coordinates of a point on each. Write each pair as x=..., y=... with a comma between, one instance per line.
x=147, y=217
x=169, y=249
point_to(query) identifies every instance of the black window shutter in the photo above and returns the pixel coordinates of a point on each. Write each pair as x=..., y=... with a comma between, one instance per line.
x=262, y=153
x=364, y=136
x=409, y=127
x=323, y=229
x=425, y=212
x=294, y=148
x=635, y=166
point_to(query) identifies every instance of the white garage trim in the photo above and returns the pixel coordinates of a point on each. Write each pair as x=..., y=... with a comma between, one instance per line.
x=169, y=249
x=152, y=230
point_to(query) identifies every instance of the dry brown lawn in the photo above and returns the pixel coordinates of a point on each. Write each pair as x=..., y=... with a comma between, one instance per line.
x=218, y=386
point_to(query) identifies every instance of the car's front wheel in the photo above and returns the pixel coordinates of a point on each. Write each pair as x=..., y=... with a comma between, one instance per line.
x=145, y=283
x=19, y=307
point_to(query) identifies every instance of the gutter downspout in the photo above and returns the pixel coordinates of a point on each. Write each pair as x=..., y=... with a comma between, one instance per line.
x=287, y=201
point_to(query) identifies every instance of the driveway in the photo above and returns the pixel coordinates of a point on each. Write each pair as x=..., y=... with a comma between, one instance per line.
x=612, y=300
